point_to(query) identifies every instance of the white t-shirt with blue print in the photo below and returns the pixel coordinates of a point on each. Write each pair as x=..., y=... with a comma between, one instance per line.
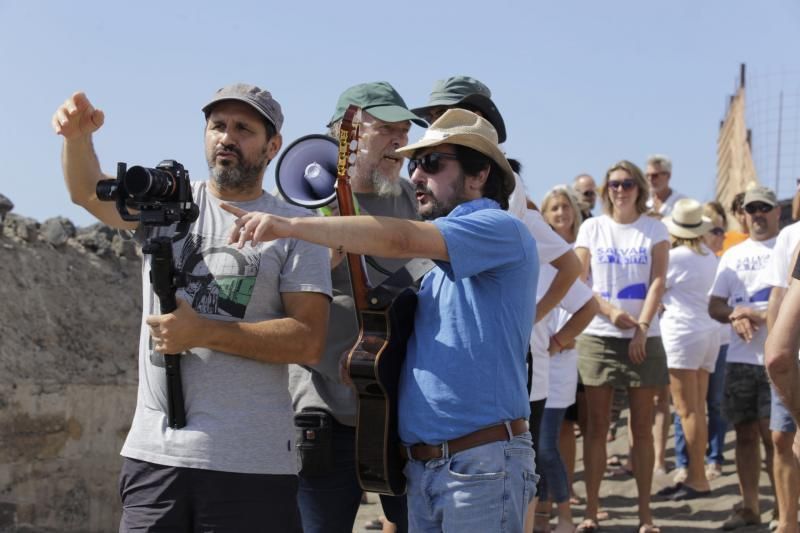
x=621, y=261
x=465, y=363
x=738, y=280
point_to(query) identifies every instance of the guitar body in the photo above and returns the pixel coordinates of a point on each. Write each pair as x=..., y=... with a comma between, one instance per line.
x=374, y=365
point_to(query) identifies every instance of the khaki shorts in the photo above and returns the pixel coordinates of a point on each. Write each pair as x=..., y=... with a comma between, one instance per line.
x=605, y=361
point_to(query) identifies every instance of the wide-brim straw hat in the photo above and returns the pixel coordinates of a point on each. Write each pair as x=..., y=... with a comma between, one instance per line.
x=465, y=128
x=687, y=220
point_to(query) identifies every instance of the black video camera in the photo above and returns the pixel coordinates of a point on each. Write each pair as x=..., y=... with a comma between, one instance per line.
x=162, y=195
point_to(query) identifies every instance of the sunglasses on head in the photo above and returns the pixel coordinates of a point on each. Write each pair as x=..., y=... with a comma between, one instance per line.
x=717, y=231
x=625, y=185
x=430, y=163
x=754, y=208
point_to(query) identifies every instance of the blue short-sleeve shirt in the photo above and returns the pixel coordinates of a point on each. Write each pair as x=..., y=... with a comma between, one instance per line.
x=465, y=366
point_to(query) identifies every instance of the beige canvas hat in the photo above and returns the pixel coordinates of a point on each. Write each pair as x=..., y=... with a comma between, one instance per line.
x=687, y=220
x=465, y=128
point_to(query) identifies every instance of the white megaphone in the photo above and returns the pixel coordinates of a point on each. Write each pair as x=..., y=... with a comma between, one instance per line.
x=306, y=171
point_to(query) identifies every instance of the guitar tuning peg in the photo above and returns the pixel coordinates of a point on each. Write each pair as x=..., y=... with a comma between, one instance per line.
x=353, y=145
x=351, y=159
x=351, y=172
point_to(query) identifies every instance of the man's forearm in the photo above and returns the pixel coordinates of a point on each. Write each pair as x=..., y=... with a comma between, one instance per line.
x=368, y=235
x=281, y=340
x=81, y=169
x=719, y=310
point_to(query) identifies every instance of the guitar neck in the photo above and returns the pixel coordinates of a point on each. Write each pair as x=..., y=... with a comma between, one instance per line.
x=348, y=142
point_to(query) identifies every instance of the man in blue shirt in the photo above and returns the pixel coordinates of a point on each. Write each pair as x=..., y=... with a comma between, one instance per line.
x=463, y=402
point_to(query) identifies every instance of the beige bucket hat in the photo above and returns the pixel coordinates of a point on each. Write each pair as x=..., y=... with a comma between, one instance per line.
x=687, y=220
x=465, y=128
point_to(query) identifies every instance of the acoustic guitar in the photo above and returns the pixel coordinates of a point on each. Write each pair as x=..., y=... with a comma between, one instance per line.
x=374, y=363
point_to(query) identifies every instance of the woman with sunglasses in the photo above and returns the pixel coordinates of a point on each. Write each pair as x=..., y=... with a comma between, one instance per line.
x=690, y=336
x=624, y=252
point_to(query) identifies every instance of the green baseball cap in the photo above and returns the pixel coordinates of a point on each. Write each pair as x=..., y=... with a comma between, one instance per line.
x=466, y=92
x=380, y=100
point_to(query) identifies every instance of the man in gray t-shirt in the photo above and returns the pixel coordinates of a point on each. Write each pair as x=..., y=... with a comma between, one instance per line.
x=329, y=499
x=242, y=316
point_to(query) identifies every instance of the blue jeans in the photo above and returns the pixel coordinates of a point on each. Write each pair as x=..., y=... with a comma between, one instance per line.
x=553, y=484
x=329, y=503
x=717, y=425
x=482, y=490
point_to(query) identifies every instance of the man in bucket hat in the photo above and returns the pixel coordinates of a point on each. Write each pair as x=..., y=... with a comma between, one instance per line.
x=463, y=403
x=329, y=494
x=232, y=466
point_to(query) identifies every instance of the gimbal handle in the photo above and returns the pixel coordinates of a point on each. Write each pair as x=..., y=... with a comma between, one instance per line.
x=162, y=278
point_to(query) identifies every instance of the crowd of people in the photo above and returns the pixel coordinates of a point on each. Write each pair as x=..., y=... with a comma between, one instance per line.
x=533, y=323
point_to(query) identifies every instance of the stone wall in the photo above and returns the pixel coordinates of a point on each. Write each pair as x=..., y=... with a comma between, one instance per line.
x=70, y=306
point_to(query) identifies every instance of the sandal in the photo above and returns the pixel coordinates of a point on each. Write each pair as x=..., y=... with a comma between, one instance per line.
x=374, y=525
x=621, y=471
x=649, y=528
x=587, y=526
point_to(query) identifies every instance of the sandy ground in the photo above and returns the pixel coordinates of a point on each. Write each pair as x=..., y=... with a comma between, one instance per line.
x=619, y=498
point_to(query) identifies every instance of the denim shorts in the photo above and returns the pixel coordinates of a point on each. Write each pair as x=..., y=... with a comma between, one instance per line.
x=483, y=489
x=780, y=419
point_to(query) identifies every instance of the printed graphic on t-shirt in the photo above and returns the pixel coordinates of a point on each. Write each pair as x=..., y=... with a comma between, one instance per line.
x=622, y=256
x=761, y=295
x=749, y=264
x=218, y=279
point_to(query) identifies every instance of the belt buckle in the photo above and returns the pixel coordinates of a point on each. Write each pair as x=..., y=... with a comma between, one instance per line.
x=444, y=450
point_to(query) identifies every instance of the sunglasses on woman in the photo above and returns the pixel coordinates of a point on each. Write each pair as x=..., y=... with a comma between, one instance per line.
x=430, y=163
x=625, y=185
x=754, y=208
x=717, y=231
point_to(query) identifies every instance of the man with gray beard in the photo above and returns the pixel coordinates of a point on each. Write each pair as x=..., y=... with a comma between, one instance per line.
x=329, y=493
x=242, y=316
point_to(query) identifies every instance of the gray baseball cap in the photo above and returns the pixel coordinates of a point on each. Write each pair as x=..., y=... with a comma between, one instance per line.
x=260, y=99
x=380, y=100
x=760, y=193
x=466, y=92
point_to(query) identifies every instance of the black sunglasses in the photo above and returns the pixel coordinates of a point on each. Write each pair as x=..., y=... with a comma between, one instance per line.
x=754, y=208
x=625, y=185
x=430, y=163
x=719, y=232
x=589, y=193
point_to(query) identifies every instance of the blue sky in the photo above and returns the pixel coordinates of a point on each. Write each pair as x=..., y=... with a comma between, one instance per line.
x=580, y=84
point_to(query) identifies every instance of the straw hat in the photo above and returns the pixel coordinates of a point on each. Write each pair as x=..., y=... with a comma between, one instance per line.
x=687, y=220
x=465, y=128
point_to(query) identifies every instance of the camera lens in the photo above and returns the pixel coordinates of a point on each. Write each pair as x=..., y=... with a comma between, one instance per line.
x=150, y=183
x=106, y=190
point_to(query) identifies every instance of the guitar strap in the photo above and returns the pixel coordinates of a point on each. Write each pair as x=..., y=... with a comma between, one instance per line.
x=381, y=297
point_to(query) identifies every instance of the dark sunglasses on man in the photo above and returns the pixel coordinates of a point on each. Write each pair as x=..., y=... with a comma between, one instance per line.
x=758, y=207
x=431, y=163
